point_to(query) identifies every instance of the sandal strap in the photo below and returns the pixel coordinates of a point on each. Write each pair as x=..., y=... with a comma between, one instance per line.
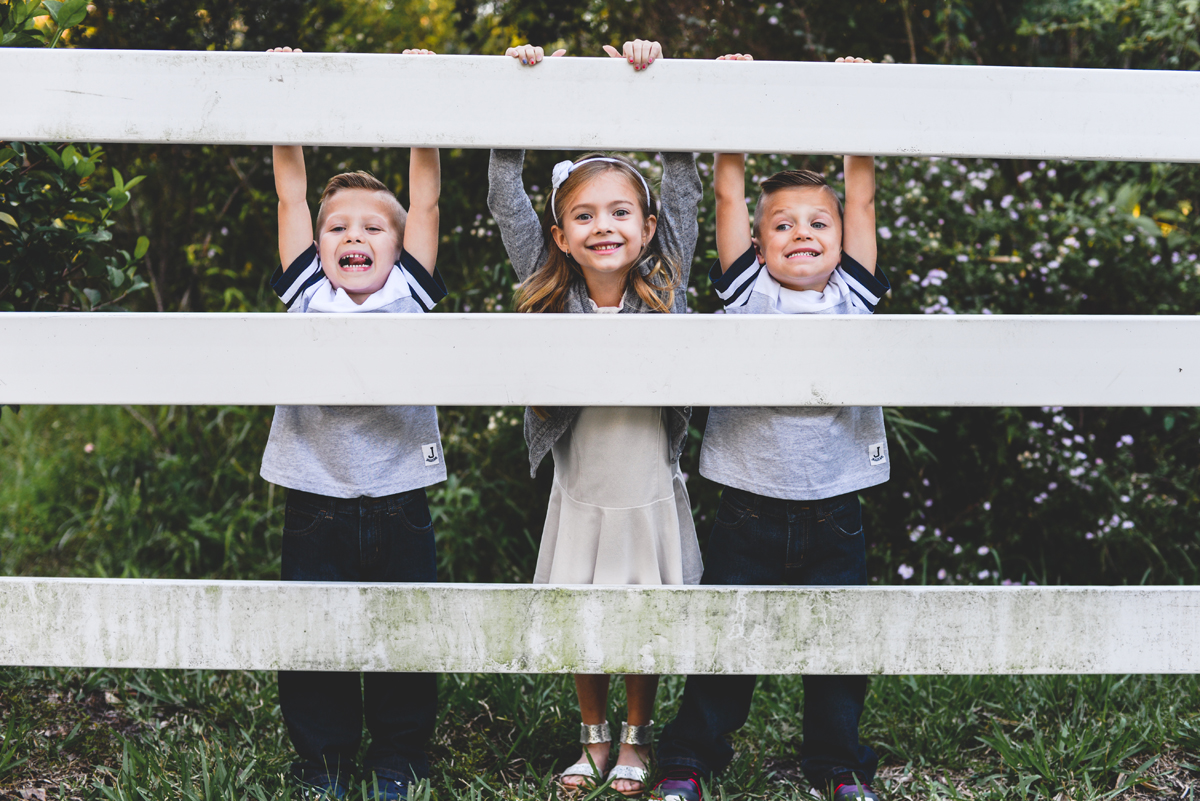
x=637, y=735
x=582, y=769
x=594, y=733
x=629, y=773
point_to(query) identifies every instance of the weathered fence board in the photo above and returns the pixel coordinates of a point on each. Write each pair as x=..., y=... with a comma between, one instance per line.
x=525, y=629
x=498, y=359
x=684, y=104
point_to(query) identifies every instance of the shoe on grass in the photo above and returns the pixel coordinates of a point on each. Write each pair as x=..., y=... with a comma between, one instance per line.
x=380, y=788
x=847, y=788
x=679, y=784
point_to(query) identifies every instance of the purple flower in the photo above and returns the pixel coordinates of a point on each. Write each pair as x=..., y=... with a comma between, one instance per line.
x=905, y=572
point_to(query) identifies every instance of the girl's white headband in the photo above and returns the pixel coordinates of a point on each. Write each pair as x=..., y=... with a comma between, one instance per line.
x=564, y=168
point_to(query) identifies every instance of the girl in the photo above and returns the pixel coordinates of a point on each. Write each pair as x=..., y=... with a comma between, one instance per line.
x=619, y=512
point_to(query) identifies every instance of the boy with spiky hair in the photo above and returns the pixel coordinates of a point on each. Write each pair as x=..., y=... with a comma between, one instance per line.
x=356, y=475
x=789, y=511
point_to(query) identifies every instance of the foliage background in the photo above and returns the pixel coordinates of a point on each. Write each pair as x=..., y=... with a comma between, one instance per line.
x=977, y=495
x=1002, y=495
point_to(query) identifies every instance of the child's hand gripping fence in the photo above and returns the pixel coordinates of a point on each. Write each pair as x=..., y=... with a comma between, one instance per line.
x=237, y=98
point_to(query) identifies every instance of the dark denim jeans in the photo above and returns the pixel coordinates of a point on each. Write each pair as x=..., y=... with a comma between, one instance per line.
x=756, y=541
x=387, y=539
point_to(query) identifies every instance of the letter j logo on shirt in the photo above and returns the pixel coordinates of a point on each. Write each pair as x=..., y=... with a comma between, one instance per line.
x=430, y=454
x=877, y=453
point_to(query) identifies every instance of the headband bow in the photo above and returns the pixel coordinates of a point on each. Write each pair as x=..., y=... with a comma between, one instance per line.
x=564, y=168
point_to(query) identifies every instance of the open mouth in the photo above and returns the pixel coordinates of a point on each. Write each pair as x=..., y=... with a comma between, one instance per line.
x=604, y=247
x=355, y=262
x=803, y=253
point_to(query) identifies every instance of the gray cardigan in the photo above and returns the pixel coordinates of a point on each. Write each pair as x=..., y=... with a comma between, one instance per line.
x=521, y=230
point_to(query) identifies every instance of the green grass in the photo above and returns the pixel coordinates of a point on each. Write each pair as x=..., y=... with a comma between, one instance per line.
x=153, y=734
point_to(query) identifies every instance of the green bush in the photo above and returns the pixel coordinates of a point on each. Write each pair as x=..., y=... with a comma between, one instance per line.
x=56, y=250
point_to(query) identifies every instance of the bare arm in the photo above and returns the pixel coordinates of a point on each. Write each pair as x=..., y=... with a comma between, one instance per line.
x=729, y=185
x=424, y=189
x=733, y=218
x=858, y=225
x=858, y=228
x=291, y=184
x=295, y=219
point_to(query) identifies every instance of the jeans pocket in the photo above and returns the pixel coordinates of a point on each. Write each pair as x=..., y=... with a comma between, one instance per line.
x=733, y=512
x=846, y=519
x=413, y=512
x=301, y=519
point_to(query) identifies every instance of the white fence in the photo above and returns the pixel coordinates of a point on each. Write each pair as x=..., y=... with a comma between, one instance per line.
x=512, y=359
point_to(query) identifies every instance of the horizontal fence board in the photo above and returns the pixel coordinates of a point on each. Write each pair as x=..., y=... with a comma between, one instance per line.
x=685, y=104
x=598, y=360
x=526, y=629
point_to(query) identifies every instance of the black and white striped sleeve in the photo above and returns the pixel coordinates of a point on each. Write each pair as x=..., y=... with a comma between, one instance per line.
x=867, y=286
x=734, y=285
x=426, y=289
x=305, y=271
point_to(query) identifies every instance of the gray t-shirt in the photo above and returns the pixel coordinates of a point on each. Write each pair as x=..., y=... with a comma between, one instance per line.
x=355, y=451
x=799, y=453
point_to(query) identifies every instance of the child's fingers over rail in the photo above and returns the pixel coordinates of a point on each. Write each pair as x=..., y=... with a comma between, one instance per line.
x=852, y=60
x=285, y=50
x=531, y=54
x=641, y=53
x=418, y=51
x=736, y=57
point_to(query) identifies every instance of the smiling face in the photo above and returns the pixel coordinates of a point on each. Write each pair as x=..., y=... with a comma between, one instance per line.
x=359, y=240
x=602, y=226
x=800, y=236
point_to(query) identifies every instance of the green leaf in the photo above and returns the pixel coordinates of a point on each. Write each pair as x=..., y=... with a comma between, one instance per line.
x=8, y=219
x=85, y=168
x=93, y=296
x=1168, y=422
x=32, y=38
x=71, y=13
x=134, y=182
x=23, y=12
x=143, y=245
x=52, y=154
x=118, y=181
x=115, y=276
x=54, y=8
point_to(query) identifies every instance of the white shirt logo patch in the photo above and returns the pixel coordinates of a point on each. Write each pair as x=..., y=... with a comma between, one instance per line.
x=430, y=454
x=877, y=453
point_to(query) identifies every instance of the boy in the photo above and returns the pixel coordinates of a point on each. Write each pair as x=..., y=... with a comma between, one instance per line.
x=356, y=475
x=789, y=511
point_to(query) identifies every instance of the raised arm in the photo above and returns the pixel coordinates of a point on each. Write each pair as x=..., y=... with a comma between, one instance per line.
x=295, y=219
x=858, y=224
x=291, y=185
x=858, y=228
x=424, y=189
x=729, y=185
x=733, y=216
x=520, y=228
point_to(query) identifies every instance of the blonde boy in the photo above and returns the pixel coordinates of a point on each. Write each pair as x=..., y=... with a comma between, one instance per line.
x=356, y=475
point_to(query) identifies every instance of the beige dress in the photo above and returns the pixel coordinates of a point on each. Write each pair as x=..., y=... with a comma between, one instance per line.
x=619, y=512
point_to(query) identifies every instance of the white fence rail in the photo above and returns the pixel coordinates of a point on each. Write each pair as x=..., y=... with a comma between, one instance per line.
x=238, y=98
x=497, y=359
x=523, y=629
x=684, y=104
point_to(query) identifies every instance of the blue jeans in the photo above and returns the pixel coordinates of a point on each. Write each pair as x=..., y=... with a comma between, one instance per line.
x=763, y=541
x=387, y=539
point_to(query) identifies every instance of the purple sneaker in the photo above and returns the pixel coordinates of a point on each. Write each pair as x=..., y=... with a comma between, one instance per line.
x=680, y=784
x=845, y=788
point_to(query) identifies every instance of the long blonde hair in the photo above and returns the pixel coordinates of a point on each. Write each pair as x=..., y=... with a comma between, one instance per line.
x=546, y=289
